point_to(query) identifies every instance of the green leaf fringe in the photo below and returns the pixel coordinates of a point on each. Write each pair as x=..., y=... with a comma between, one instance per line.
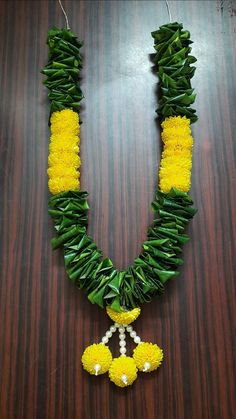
x=174, y=71
x=147, y=276
x=63, y=69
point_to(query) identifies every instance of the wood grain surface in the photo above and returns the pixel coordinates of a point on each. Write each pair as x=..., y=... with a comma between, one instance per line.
x=45, y=322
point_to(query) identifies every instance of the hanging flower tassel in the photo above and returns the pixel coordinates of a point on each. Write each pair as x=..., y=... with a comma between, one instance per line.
x=97, y=358
x=123, y=371
x=147, y=356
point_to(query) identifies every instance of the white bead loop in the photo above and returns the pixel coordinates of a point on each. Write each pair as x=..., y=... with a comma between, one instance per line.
x=104, y=340
x=113, y=328
x=109, y=333
x=129, y=329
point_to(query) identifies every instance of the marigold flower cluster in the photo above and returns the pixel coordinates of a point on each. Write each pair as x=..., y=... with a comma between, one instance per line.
x=176, y=161
x=63, y=159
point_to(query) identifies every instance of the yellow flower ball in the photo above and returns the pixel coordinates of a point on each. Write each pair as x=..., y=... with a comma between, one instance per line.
x=123, y=371
x=125, y=317
x=147, y=356
x=97, y=359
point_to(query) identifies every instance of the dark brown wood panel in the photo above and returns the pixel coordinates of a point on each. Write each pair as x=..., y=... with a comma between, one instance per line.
x=45, y=323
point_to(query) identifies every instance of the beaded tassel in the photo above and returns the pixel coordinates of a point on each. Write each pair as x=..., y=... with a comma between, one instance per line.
x=97, y=358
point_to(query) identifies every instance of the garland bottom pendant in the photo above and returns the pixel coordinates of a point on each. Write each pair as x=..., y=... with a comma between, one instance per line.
x=97, y=358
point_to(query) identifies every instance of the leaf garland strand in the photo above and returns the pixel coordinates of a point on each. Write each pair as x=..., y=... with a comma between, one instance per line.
x=144, y=279
x=174, y=71
x=63, y=69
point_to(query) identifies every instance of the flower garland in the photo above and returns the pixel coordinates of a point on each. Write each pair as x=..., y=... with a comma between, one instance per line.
x=121, y=292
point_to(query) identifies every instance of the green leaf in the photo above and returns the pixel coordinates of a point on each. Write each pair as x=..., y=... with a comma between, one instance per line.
x=115, y=305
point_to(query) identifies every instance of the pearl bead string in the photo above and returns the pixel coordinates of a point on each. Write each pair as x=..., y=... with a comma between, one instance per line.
x=133, y=335
x=109, y=333
x=122, y=328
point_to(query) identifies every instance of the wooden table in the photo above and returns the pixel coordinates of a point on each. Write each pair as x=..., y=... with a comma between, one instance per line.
x=45, y=321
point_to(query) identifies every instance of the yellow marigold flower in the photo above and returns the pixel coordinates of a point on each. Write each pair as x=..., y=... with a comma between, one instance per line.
x=65, y=138
x=97, y=359
x=63, y=148
x=123, y=371
x=63, y=159
x=147, y=356
x=176, y=162
x=125, y=317
x=176, y=122
x=66, y=121
x=57, y=171
x=176, y=151
x=67, y=159
x=172, y=139
x=174, y=176
x=58, y=185
x=170, y=181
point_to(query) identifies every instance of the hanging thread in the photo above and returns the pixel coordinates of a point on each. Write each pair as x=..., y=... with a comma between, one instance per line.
x=168, y=9
x=64, y=13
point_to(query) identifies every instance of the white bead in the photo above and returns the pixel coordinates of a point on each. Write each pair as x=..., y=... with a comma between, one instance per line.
x=133, y=334
x=124, y=379
x=123, y=350
x=113, y=329
x=137, y=339
x=121, y=329
x=97, y=368
x=117, y=325
x=122, y=343
x=146, y=366
x=122, y=336
x=104, y=339
x=109, y=334
x=129, y=329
